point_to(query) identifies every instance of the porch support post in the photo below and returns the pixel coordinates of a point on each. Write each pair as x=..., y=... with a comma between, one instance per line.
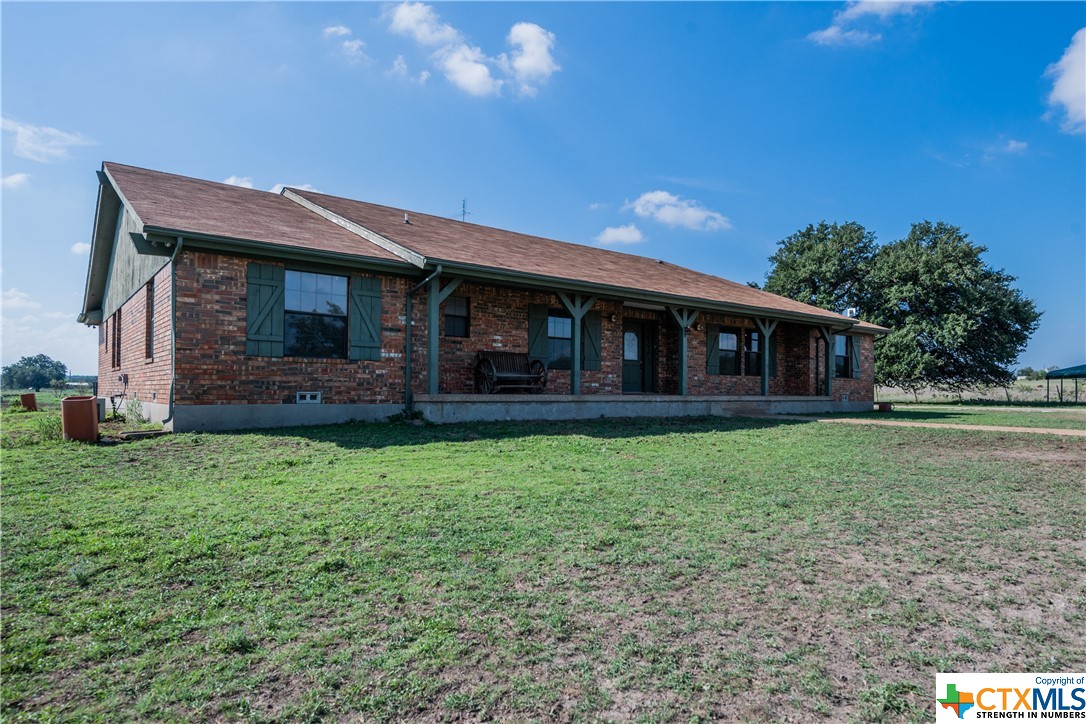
x=827, y=336
x=685, y=317
x=766, y=327
x=435, y=295
x=577, y=305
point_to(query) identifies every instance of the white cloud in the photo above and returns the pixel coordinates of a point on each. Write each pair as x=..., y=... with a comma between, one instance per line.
x=620, y=235
x=14, y=299
x=278, y=188
x=466, y=66
x=1068, y=96
x=834, y=35
x=595, y=206
x=399, y=70
x=667, y=208
x=80, y=248
x=41, y=143
x=882, y=9
x=532, y=62
x=420, y=22
x=246, y=182
x=1013, y=146
x=74, y=344
x=16, y=181
x=858, y=10
x=336, y=31
x=352, y=49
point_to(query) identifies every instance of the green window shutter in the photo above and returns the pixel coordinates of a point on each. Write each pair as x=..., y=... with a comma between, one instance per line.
x=537, y=332
x=772, y=347
x=590, y=342
x=364, y=318
x=854, y=349
x=264, y=310
x=712, y=347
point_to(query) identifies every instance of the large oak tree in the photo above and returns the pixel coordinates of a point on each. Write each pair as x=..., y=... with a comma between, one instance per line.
x=955, y=322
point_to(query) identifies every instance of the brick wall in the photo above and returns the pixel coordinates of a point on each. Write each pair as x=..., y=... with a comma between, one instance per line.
x=212, y=367
x=148, y=377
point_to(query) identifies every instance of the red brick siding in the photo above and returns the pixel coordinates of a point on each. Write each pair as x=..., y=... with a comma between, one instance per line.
x=148, y=378
x=212, y=366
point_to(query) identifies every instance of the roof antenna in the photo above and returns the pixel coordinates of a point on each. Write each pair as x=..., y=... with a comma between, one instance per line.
x=464, y=213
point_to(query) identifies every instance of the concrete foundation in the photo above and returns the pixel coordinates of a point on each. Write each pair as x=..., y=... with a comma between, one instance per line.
x=444, y=409
x=477, y=408
x=191, y=418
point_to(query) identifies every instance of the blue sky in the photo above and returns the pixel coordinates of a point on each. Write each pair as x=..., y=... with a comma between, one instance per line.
x=701, y=133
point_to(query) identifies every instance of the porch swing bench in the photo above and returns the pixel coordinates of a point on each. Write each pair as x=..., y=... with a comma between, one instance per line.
x=496, y=371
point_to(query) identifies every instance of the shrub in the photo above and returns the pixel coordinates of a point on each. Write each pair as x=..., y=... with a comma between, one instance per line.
x=48, y=427
x=133, y=411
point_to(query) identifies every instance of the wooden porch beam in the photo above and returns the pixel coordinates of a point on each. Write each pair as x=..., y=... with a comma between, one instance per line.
x=766, y=327
x=577, y=305
x=435, y=295
x=827, y=337
x=685, y=318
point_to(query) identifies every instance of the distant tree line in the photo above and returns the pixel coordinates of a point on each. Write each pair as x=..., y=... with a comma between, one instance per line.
x=34, y=373
x=955, y=323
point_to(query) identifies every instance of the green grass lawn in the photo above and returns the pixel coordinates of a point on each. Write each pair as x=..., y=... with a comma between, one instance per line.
x=1071, y=418
x=654, y=570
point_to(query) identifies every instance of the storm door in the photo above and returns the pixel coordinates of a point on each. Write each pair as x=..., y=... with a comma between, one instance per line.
x=638, y=356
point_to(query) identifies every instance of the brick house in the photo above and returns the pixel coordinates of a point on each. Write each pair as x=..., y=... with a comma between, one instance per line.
x=222, y=307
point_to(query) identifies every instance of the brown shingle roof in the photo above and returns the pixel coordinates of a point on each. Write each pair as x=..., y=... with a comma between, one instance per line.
x=179, y=203
x=457, y=242
x=187, y=205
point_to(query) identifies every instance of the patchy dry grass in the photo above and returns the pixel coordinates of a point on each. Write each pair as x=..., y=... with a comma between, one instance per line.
x=713, y=569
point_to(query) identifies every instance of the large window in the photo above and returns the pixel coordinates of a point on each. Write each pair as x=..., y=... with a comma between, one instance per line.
x=728, y=345
x=315, y=319
x=843, y=355
x=753, y=349
x=559, y=340
x=457, y=318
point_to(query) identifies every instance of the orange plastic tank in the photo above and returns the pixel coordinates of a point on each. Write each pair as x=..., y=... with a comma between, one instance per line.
x=79, y=418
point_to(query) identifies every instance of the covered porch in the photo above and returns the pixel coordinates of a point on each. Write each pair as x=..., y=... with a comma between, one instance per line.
x=603, y=347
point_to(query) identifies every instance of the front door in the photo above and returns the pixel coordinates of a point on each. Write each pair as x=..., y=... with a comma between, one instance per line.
x=638, y=357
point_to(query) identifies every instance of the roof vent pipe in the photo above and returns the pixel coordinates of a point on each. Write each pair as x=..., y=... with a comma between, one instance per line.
x=406, y=220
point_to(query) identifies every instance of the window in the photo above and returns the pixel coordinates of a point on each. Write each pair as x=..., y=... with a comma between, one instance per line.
x=115, y=327
x=630, y=351
x=559, y=340
x=149, y=322
x=846, y=356
x=550, y=338
x=457, y=319
x=752, y=353
x=308, y=314
x=315, y=318
x=728, y=344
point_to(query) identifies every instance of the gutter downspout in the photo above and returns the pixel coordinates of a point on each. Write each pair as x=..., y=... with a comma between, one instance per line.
x=408, y=325
x=173, y=326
